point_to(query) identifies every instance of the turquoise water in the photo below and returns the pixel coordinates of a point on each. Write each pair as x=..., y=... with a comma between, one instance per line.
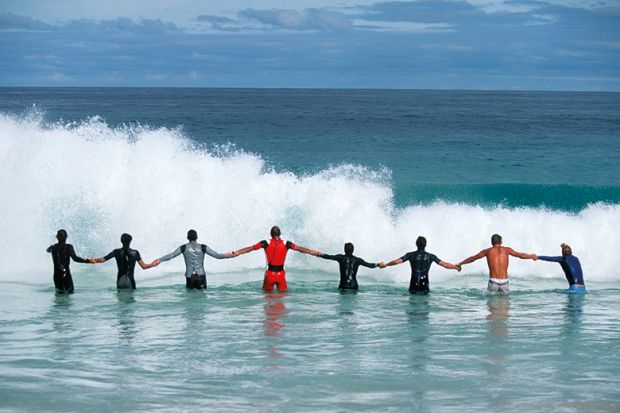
x=235, y=348
x=376, y=168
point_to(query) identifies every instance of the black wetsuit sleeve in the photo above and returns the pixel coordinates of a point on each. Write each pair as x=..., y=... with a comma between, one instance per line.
x=435, y=259
x=138, y=257
x=406, y=257
x=289, y=245
x=110, y=255
x=330, y=257
x=49, y=249
x=367, y=264
x=74, y=256
x=264, y=244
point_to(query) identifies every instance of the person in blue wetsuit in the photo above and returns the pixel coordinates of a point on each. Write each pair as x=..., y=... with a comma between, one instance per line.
x=126, y=259
x=349, y=264
x=571, y=267
x=421, y=262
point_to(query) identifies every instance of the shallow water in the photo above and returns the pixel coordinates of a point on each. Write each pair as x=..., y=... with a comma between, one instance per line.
x=235, y=348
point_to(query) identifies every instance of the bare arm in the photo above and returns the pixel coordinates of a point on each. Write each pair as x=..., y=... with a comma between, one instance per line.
x=473, y=258
x=393, y=262
x=146, y=266
x=522, y=255
x=449, y=266
x=242, y=251
x=307, y=250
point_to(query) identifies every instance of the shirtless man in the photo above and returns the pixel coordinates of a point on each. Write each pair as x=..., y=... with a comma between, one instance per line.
x=497, y=260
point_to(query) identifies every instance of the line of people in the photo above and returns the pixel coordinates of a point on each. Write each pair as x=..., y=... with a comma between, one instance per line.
x=497, y=257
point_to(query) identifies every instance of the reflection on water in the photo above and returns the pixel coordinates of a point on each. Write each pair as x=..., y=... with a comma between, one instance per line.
x=573, y=312
x=418, y=316
x=275, y=313
x=126, y=321
x=499, y=311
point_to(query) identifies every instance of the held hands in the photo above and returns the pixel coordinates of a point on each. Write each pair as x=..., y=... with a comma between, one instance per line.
x=382, y=265
x=155, y=263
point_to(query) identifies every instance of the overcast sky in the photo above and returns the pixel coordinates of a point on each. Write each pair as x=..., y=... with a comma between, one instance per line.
x=445, y=44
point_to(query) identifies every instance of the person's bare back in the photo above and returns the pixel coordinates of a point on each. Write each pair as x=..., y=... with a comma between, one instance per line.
x=498, y=258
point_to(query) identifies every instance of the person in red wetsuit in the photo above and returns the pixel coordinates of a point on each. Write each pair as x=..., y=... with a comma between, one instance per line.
x=275, y=252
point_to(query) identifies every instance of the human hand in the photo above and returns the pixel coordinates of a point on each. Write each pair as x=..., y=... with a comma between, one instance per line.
x=459, y=267
x=534, y=257
x=382, y=264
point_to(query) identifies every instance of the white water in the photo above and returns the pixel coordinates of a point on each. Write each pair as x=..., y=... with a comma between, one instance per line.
x=98, y=182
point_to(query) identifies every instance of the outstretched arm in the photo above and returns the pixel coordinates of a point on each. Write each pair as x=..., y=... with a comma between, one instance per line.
x=170, y=256
x=393, y=262
x=550, y=259
x=473, y=258
x=102, y=259
x=368, y=264
x=146, y=266
x=522, y=255
x=306, y=250
x=75, y=257
x=449, y=266
x=241, y=251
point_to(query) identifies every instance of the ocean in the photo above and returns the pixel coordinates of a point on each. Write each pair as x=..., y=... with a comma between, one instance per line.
x=374, y=167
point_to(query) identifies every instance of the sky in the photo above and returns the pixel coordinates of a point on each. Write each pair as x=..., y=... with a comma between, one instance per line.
x=445, y=44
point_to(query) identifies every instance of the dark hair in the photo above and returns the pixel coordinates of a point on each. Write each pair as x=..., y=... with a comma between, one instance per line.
x=275, y=231
x=192, y=235
x=126, y=240
x=61, y=236
x=496, y=239
x=348, y=248
x=421, y=243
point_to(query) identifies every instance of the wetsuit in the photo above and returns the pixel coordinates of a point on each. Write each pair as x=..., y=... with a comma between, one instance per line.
x=348, y=269
x=420, y=262
x=126, y=259
x=572, y=271
x=275, y=251
x=194, y=254
x=62, y=274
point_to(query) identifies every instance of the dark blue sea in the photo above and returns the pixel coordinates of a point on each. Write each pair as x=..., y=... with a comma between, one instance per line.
x=374, y=167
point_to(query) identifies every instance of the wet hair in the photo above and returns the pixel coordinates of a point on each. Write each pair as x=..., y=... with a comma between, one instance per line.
x=126, y=240
x=61, y=236
x=275, y=231
x=348, y=248
x=420, y=243
x=192, y=235
x=496, y=239
x=566, y=250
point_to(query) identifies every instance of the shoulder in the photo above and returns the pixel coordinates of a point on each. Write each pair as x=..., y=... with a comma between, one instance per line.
x=290, y=245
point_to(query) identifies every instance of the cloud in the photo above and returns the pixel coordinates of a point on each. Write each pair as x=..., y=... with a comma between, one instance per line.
x=309, y=19
x=122, y=25
x=10, y=21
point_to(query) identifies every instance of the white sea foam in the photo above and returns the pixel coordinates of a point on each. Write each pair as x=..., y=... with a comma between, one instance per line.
x=98, y=182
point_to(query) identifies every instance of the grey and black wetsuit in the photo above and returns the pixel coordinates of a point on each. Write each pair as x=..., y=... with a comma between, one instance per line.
x=348, y=269
x=194, y=254
x=126, y=259
x=61, y=255
x=420, y=262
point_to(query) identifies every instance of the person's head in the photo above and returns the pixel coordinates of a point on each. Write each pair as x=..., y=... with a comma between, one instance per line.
x=348, y=248
x=496, y=239
x=275, y=232
x=126, y=240
x=420, y=243
x=192, y=235
x=566, y=250
x=61, y=236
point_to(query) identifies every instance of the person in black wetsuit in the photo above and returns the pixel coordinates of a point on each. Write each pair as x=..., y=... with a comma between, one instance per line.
x=61, y=254
x=421, y=262
x=349, y=264
x=126, y=259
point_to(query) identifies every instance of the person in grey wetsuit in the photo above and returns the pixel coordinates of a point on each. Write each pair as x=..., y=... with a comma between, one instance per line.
x=126, y=259
x=349, y=264
x=194, y=254
x=62, y=253
x=421, y=262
